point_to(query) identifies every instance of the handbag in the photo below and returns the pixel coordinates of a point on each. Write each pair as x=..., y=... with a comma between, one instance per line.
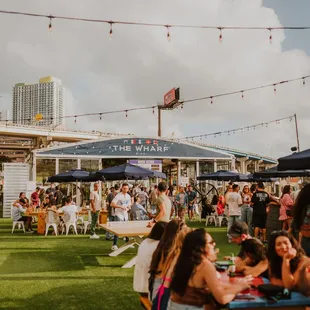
x=270, y=290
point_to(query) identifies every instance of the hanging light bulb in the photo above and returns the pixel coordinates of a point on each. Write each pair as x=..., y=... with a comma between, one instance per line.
x=242, y=95
x=100, y=116
x=168, y=33
x=211, y=100
x=50, y=27
x=303, y=81
x=153, y=110
x=111, y=29
x=270, y=35
x=274, y=88
x=182, y=106
x=74, y=119
x=221, y=34
x=126, y=115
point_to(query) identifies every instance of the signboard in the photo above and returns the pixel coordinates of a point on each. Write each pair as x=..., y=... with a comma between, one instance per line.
x=136, y=148
x=184, y=181
x=171, y=97
x=155, y=164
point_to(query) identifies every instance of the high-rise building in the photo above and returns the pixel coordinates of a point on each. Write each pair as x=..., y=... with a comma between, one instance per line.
x=40, y=104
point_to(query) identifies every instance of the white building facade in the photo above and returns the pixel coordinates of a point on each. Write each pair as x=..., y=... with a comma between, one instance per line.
x=40, y=104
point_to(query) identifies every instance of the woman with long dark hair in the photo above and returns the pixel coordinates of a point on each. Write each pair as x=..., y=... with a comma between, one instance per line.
x=163, y=294
x=195, y=276
x=286, y=207
x=286, y=259
x=161, y=253
x=301, y=220
x=144, y=257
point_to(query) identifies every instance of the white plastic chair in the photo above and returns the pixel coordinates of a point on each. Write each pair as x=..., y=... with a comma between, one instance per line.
x=70, y=220
x=211, y=217
x=87, y=222
x=19, y=223
x=50, y=221
x=138, y=215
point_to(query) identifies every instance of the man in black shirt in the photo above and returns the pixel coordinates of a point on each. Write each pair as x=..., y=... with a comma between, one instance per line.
x=239, y=233
x=259, y=202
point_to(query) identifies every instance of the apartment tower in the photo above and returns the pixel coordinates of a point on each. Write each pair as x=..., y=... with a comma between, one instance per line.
x=40, y=104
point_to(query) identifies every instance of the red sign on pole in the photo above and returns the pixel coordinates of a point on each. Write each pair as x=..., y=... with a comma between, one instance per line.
x=169, y=97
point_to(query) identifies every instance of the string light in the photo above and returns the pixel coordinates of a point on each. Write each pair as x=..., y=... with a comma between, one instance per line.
x=303, y=82
x=100, y=117
x=181, y=103
x=242, y=95
x=50, y=27
x=131, y=23
x=168, y=33
x=240, y=129
x=75, y=120
x=153, y=110
x=270, y=35
x=126, y=114
x=182, y=106
x=274, y=88
x=111, y=29
x=221, y=34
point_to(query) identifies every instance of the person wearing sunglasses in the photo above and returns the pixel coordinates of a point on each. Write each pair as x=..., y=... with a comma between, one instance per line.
x=195, y=283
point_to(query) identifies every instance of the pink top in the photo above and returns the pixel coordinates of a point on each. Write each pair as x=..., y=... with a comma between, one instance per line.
x=286, y=204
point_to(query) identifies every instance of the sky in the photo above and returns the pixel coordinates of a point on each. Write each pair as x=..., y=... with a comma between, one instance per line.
x=138, y=66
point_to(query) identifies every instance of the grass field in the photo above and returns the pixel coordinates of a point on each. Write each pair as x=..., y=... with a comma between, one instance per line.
x=70, y=272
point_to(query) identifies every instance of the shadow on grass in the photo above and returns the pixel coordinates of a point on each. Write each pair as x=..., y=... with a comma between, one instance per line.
x=109, y=293
x=32, y=262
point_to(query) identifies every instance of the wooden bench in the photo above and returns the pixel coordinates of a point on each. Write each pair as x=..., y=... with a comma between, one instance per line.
x=145, y=303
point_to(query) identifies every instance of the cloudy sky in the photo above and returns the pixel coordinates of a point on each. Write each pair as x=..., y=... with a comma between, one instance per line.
x=139, y=65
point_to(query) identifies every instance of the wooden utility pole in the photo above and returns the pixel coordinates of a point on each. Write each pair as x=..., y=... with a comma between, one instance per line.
x=297, y=133
x=159, y=121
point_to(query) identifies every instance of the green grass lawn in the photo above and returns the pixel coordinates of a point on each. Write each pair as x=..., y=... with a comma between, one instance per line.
x=70, y=272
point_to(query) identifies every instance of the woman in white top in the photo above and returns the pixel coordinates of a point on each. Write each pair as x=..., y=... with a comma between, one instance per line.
x=144, y=257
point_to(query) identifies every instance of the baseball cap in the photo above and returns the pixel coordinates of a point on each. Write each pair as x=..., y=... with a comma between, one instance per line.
x=239, y=228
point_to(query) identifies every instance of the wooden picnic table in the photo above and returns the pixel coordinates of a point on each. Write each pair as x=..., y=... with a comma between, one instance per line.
x=134, y=229
x=41, y=218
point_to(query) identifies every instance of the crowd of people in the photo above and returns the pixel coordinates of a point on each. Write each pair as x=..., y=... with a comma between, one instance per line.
x=175, y=264
x=158, y=204
x=52, y=200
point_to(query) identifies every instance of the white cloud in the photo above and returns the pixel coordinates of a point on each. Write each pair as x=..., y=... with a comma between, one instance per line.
x=138, y=66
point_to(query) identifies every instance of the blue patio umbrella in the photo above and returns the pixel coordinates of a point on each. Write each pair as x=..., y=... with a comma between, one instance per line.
x=221, y=175
x=158, y=174
x=296, y=161
x=76, y=175
x=275, y=173
x=126, y=171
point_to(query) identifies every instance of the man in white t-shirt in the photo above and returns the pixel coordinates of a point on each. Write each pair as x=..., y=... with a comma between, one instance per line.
x=121, y=204
x=234, y=202
x=95, y=207
x=67, y=209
